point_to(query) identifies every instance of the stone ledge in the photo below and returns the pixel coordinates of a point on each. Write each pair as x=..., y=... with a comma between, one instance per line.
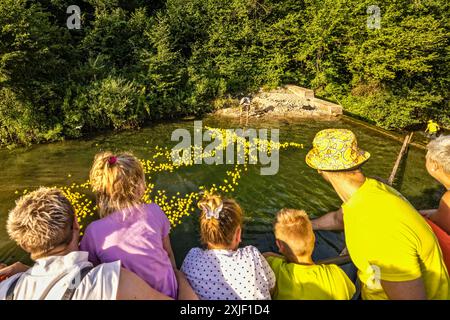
x=288, y=101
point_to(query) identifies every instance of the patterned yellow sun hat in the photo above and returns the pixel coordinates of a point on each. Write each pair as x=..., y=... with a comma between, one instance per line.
x=335, y=150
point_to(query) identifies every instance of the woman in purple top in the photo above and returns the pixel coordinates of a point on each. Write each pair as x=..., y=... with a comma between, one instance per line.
x=130, y=231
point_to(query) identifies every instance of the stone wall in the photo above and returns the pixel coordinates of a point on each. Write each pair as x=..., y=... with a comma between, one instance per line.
x=289, y=101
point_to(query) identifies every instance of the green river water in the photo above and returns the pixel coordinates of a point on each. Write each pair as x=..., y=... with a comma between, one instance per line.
x=295, y=185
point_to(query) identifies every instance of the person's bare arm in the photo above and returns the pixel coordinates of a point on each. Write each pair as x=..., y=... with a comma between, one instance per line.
x=405, y=290
x=185, y=291
x=331, y=221
x=131, y=287
x=168, y=247
x=8, y=271
x=442, y=215
x=427, y=213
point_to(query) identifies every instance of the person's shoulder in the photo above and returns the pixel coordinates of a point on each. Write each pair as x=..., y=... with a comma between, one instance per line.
x=332, y=268
x=377, y=186
x=101, y=282
x=153, y=211
x=194, y=257
x=249, y=252
x=98, y=225
x=89, y=233
x=252, y=250
x=5, y=284
x=93, y=226
x=335, y=272
x=153, y=208
x=278, y=262
x=313, y=270
x=379, y=195
x=97, y=228
x=195, y=253
x=106, y=269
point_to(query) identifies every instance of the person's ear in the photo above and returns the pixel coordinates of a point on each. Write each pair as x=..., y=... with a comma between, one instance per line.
x=76, y=225
x=279, y=245
x=74, y=243
x=313, y=242
x=238, y=235
x=435, y=166
x=142, y=188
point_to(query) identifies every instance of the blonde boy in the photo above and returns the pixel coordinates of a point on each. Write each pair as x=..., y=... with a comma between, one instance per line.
x=297, y=275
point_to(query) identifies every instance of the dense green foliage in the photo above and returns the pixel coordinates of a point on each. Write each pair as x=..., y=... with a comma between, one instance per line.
x=137, y=61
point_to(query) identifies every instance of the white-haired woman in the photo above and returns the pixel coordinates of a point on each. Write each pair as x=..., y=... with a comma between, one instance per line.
x=438, y=166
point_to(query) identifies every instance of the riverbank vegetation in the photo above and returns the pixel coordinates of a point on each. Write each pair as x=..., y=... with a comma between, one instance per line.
x=136, y=61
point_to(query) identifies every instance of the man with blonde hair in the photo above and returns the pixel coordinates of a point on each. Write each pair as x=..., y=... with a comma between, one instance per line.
x=298, y=277
x=395, y=251
x=44, y=224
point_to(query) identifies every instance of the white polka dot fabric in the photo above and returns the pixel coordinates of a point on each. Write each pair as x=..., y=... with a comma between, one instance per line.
x=243, y=274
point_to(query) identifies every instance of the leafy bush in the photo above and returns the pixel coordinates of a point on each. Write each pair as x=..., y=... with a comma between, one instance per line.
x=18, y=126
x=107, y=103
x=138, y=61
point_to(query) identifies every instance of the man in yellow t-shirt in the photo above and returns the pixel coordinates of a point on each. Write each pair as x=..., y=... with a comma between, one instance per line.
x=298, y=278
x=432, y=128
x=394, y=249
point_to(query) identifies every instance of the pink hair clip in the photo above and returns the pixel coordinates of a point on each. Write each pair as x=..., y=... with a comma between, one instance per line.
x=112, y=160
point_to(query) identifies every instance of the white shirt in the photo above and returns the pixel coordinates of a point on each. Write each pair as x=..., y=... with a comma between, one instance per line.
x=243, y=274
x=50, y=277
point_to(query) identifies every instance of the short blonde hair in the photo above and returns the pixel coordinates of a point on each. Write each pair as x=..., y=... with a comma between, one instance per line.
x=294, y=228
x=117, y=180
x=439, y=152
x=219, y=231
x=41, y=221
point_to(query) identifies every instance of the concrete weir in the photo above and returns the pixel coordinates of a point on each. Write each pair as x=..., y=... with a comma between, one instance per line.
x=289, y=101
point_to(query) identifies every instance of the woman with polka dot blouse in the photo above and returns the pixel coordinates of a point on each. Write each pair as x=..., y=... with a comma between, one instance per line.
x=223, y=271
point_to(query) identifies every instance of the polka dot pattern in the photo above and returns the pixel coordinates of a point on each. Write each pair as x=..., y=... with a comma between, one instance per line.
x=242, y=274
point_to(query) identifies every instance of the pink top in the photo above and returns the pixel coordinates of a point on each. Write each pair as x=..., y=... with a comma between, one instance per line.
x=135, y=237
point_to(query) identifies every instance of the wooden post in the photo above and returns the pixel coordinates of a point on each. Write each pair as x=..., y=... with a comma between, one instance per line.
x=400, y=157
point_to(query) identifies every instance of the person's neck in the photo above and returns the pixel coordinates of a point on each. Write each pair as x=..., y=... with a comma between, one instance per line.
x=58, y=251
x=347, y=187
x=445, y=180
x=303, y=260
x=219, y=247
